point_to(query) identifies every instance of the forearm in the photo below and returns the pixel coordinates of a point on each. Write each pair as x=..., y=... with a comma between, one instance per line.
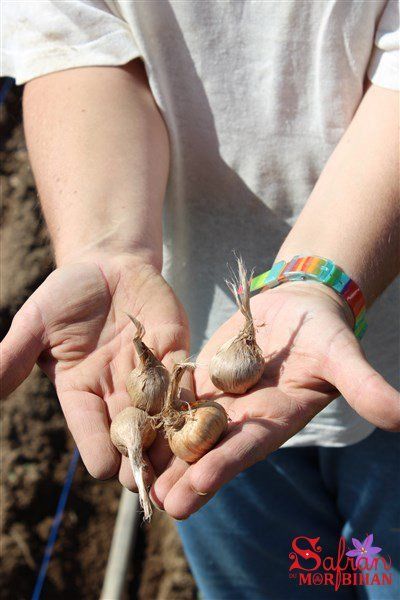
x=100, y=155
x=353, y=213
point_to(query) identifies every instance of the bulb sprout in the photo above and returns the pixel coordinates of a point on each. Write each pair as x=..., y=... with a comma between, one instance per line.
x=194, y=431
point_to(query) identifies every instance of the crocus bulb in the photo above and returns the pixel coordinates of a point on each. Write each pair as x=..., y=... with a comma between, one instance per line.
x=194, y=429
x=147, y=385
x=132, y=431
x=239, y=363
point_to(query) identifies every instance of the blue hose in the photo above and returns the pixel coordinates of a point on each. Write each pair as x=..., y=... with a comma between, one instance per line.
x=55, y=525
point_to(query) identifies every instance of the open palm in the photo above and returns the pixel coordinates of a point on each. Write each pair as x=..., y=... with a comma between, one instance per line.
x=75, y=327
x=310, y=353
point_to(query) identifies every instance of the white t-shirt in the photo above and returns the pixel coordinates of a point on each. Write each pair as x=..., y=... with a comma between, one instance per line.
x=256, y=95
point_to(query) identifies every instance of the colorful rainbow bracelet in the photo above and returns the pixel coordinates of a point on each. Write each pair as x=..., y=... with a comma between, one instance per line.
x=323, y=270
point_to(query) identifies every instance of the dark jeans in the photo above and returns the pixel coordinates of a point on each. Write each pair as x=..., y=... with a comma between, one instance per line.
x=238, y=545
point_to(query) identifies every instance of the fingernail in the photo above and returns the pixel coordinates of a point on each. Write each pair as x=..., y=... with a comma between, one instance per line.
x=197, y=492
x=154, y=503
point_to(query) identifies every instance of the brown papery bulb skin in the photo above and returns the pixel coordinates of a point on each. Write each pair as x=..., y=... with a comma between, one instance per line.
x=147, y=385
x=147, y=388
x=203, y=426
x=128, y=426
x=132, y=432
x=192, y=432
x=239, y=363
x=237, y=366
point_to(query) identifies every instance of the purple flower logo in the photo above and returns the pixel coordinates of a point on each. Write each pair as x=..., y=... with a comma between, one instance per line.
x=364, y=549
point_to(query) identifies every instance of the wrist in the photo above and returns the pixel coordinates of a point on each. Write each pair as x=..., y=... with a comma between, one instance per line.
x=116, y=250
x=317, y=290
x=353, y=264
x=319, y=270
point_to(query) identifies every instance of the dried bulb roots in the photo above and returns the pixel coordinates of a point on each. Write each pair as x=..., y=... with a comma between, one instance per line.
x=132, y=432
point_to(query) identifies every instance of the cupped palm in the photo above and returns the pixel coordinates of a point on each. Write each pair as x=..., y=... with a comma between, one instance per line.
x=311, y=355
x=76, y=328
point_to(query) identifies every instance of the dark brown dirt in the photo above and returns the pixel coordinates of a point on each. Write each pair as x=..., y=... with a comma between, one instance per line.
x=36, y=446
x=165, y=574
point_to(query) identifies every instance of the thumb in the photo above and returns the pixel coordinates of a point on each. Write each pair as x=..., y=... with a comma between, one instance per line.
x=364, y=388
x=21, y=347
x=175, y=357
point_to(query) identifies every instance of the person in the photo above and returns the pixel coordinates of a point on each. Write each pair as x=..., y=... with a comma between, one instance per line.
x=264, y=128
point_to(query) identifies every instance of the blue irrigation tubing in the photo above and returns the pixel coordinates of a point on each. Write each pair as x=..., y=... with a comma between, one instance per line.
x=5, y=88
x=55, y=525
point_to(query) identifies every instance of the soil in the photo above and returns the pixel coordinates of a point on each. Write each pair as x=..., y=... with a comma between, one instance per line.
x=36, y=446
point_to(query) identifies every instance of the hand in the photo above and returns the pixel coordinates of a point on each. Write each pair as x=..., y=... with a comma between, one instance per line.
x=311, y=355
x=75, y=327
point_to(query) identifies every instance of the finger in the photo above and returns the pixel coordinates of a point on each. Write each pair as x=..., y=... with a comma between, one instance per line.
x=363, y=388
x=160, y=454
x=21, y=347
x=245, y=445
x=168, y=340
x=178, y=356
x=117, y=402
x=87, y=418
x=163, y=485
x=126, y=476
